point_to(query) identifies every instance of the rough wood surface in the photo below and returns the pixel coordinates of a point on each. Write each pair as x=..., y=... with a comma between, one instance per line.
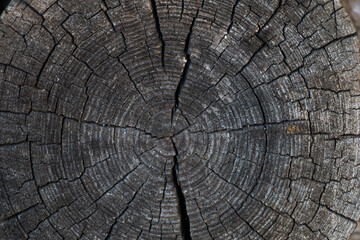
x=159, y=119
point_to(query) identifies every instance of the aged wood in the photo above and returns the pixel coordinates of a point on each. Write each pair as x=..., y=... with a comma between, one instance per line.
x=158, y=119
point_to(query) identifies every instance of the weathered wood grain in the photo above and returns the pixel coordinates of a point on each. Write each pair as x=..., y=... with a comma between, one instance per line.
x=158, y=119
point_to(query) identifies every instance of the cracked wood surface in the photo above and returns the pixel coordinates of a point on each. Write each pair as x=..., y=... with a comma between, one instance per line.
x=157, y=119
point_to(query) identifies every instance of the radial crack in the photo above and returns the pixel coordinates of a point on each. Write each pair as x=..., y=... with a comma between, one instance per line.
x=186, y=68
x=232, y=16
x=107, y=15
x=184, y=218
x=132, y=80
x=109, y=233
x=202, y=217
x=157, y=24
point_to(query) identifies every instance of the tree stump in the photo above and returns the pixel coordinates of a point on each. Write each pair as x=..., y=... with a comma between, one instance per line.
x=158, y=119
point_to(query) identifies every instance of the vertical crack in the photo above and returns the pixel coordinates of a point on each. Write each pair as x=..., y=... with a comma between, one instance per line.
x=232, y=16
x=157, y=24
x=202, y=217
x=107, y=15
x=182, y=9
x=184, y=218
x=186, y=68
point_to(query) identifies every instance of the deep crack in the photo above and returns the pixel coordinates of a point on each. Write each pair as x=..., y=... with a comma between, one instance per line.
x=157, y=24
x=255, y=107
x=184, y=218
x=186, y=68
x=3, y=5
x=232, y=16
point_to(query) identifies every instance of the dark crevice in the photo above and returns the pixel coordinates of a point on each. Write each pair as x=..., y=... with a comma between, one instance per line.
x=244, y=220
x=265, y=132
x=157, y=24
x=56, y=230
x=277, y=9
x=184, y=218
x=109, y=233
x=44, y=64
x=258, y=100
x=182, y=9
x=180, y=85
x=188, y=37
x=186, y=68
x=107, y=15
x=124, y=42
x=133, y=82
x=28, y=5
x=138, y=237
x=150, y=225
x=16, y=214
x=261, y=48
x=264, y=123
x=117, y=182
x=232, y=16
x=3, y=5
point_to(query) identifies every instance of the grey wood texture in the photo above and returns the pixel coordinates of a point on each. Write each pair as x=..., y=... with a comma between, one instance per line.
x=159, y=119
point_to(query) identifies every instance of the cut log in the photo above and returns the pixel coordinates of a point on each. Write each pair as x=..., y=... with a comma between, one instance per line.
x=158, y=119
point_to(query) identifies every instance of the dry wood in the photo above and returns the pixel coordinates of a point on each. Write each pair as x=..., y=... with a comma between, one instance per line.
x=159, y=119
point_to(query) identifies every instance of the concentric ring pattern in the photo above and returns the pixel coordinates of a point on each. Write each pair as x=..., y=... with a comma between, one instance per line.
x=157, y=119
